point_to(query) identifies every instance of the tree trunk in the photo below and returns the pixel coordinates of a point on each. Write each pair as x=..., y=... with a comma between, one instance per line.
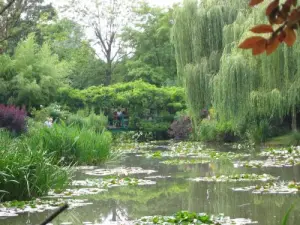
x=108, y=73
x=294, y=119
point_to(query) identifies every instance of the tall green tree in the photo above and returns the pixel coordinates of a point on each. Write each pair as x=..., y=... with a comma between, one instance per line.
x=68, y=41
x=198, y=39
x=216, y=73
x=32, y=75
x=153, y=57
x=256, y=88
x=18, y=19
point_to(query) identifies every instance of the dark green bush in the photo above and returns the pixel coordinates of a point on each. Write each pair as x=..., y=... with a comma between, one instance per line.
x=213, y=130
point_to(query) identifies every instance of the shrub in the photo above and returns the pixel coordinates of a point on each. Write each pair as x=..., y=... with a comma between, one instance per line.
x=213, y=130
x=27, y=172
x=53, y=110
x=295, y=138
x=91, y=121
x=12, y=119
x=208, y=130
x=70, y=144
x=257, y=132
x=181, y=128
x=157, y=129
x=142, y=100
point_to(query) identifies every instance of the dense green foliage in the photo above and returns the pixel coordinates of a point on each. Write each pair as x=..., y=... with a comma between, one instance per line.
x=250, y=92
x=31, y=76
x=27, y=171
x=149, y=107
x=154, y=58
x=71, y=144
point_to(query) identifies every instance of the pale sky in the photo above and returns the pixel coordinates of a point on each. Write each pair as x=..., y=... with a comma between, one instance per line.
x=154, y=2
x=90, y=32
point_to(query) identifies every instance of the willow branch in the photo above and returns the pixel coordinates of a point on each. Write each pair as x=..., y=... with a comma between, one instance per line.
x=9, y=4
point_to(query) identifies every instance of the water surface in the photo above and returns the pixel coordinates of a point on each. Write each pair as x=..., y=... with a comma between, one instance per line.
x=176, y=193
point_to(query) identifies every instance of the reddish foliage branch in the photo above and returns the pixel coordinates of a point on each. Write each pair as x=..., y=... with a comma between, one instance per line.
x=284, y=20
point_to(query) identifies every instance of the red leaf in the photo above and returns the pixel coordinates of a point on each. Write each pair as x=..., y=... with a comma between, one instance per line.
x=294, y=16
x=278, y=20
x=294, y=2
x=291, y=2
x=281, y=36
x=259, y=47
x=251, y=42
x=272, y=6
x=290, y=37
x=272, y=45
x=255, y=2
x=263, y=28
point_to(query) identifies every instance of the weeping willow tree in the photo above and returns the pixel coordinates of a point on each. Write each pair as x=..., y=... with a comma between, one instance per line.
x=215, y=73
x=265, y=87
x=198, y=39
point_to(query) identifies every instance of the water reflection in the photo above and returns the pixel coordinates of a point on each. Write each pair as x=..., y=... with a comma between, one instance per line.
x=177, y=193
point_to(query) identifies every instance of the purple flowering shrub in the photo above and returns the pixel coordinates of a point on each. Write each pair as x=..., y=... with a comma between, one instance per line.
x=12, y=118
x=181, y=128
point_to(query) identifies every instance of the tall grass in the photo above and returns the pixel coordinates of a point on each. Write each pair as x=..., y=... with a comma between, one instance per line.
x=287, y=215
x=27, y=172
x=70, y=144
x=88, y=120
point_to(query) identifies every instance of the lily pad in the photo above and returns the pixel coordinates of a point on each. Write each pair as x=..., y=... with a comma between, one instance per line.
x=273, y=188
x=75, y=192
x=158, y=177
x=268, y=163
x=119, y=171
x=14, y=208
x=185, y=161
x=195, y=153
x=292, y=152
x=235, y=178
x=193, y=218
x=112, y=182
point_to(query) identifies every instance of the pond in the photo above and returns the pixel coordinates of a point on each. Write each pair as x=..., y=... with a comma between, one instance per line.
x=213, y=182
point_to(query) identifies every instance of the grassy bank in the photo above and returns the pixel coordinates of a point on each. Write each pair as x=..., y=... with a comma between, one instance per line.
x=35, y=162
x=27, y=172
x=291, y=138
x=70, y=144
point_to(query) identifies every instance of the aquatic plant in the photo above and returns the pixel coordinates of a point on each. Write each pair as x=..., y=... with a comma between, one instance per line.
x=185, y=217
x=114, y=181
x=185, y=161
x=68, y=193
x=196, y=153
x=235, y=178
x=273, y=188
x=286, y=216
x=119, y=171
x=282, y=152
x=268, y=163
x=14, y=208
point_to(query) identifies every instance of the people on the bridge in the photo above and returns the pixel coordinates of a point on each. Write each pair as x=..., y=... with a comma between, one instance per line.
x=49, y=122
x=119, y=116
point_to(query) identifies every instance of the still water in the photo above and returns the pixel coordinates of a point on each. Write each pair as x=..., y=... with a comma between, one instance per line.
x=176, y=193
